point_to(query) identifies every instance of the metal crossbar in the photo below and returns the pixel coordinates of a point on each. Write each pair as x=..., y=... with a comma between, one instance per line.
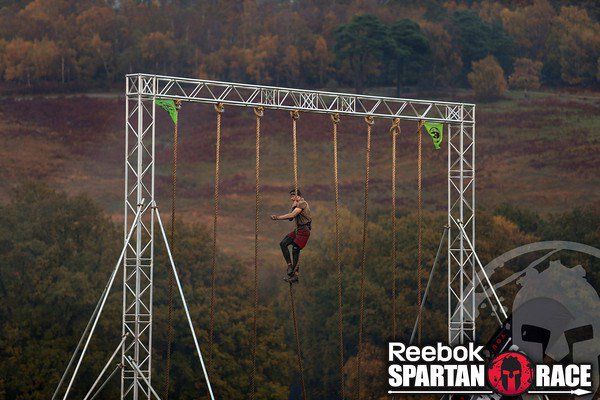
x=279, y=98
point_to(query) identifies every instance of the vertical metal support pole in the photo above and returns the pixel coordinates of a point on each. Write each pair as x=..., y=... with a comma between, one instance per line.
x=473, y=255
x=152, y=217
x=449, y=260
x=139, y=261
x=461, y=207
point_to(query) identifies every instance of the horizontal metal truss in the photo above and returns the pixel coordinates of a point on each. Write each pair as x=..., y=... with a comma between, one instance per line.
x=245, y=95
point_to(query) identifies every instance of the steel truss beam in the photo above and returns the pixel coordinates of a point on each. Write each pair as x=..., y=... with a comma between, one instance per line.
x=278, y=98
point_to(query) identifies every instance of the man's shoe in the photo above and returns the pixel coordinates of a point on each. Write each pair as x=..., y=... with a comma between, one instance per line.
x=291, y=279
x=290, y=270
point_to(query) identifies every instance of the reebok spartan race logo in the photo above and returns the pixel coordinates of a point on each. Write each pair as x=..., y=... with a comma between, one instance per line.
x=464, y=369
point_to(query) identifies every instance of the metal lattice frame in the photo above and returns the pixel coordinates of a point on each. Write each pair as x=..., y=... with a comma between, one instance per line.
x=461, y=207
x=139, y=259
x=143, y=89
x=277, y=98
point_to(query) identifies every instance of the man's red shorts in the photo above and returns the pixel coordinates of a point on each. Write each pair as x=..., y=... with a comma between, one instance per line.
x=300, y=237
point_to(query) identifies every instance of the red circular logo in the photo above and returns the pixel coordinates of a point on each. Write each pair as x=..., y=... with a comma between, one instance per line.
x=510, y=373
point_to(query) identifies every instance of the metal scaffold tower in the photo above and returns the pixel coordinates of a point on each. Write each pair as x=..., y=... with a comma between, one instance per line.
x=142, y=217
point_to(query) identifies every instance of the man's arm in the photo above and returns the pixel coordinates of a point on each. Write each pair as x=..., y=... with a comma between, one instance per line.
x=293, y=214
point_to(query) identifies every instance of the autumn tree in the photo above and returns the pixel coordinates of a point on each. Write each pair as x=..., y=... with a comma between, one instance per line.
x=362, y=43
x=262, y=58
x=3, y=44
x=51, y=20
x=578, y=45
x=487, y=79
x=526, y=75
x=98, y=33
x=45, y=59
x=158, y=49
x=530, y=26
x=411, y=51
x=17, y=62
x=28, y=61
x=445, y=61
x=322, y=58
x=477, y=39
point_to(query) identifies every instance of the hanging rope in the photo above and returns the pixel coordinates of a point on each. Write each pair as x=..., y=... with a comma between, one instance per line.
x=394, y=132
x=258, y=112
x=295, y=115
x=219, y=108
x=420, y=223
x=370, y=121
x=172, y=234
x=335, y=118
x=297, y=335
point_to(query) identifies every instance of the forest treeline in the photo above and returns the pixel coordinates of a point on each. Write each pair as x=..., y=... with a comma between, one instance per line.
x=56, y=253
x=308, y=43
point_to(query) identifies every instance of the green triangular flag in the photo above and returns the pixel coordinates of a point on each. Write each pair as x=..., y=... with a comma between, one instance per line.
x=169, y=106
x=436, y=131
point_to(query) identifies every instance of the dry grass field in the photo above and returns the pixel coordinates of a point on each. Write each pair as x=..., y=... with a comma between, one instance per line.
x=540, y=152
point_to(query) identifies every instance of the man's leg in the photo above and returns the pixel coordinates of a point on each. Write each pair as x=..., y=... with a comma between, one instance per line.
x=284, y=244
x=293, y=270
x=295, y=257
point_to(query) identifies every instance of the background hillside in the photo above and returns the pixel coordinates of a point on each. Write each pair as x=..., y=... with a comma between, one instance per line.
x=538, y=152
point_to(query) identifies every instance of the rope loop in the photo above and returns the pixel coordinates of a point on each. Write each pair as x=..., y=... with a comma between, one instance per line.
x=259, y=111
x=295, y=114
x=395, y=128
x=220, y=108
x=178, y=104
x=335, y=118
x=369, y=120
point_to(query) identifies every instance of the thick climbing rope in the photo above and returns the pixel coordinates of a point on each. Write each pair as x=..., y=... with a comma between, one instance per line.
x=297, y=335
x=219, y=108
x=420, y=223
x=335, y=118
x=295, y=115
x=394, y=132
x=258, y=112
x=370, y=121
x=172, y=238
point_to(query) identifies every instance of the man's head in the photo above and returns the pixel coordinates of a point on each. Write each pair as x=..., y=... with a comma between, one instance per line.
x=295, y=195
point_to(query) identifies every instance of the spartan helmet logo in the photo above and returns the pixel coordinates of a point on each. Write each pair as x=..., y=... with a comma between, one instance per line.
x=556, y=311
x=435, y=133
x=511, y=374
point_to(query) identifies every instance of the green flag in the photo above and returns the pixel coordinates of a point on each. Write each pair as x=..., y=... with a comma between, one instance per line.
x=169, y=106
x=436, y=131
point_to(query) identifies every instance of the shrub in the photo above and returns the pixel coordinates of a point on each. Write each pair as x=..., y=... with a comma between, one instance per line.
x=526, y=75
x=487, y=79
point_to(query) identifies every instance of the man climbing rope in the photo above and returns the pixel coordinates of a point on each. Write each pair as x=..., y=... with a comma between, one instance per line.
x=298, y=237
